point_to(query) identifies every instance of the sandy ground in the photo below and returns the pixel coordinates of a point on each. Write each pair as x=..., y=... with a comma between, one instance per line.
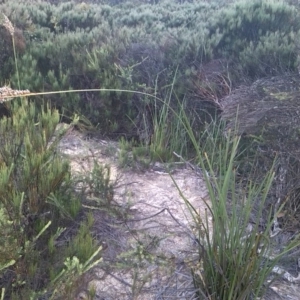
x=148, y=251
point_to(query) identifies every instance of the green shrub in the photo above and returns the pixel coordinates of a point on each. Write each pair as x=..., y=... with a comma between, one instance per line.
x=258, y=36
x=56, y=56
x=36, y=201
x=81, y=46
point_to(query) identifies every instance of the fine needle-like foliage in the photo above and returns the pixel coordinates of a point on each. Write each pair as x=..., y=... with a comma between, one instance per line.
x=37, y=199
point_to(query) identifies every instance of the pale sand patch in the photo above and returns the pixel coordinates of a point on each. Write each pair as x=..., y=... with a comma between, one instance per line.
x=159, y=220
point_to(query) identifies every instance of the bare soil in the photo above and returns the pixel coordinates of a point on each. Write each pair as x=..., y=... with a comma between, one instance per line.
x=150, y=245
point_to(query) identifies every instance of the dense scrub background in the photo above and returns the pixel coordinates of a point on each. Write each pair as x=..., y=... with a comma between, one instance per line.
x=140, y=45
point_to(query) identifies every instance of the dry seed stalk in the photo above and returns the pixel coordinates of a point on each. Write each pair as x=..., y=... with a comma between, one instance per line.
x=8, y=25
x=7, y=94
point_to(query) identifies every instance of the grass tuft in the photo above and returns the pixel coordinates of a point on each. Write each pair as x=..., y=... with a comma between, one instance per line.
x=235, y=251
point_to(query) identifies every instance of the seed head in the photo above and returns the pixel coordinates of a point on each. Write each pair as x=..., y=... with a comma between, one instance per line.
x=7, y=94
x=8, y=25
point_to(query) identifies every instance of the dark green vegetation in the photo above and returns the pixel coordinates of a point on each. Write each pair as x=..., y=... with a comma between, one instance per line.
x=138, y=47
x=37, y=202
x=181, y=57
